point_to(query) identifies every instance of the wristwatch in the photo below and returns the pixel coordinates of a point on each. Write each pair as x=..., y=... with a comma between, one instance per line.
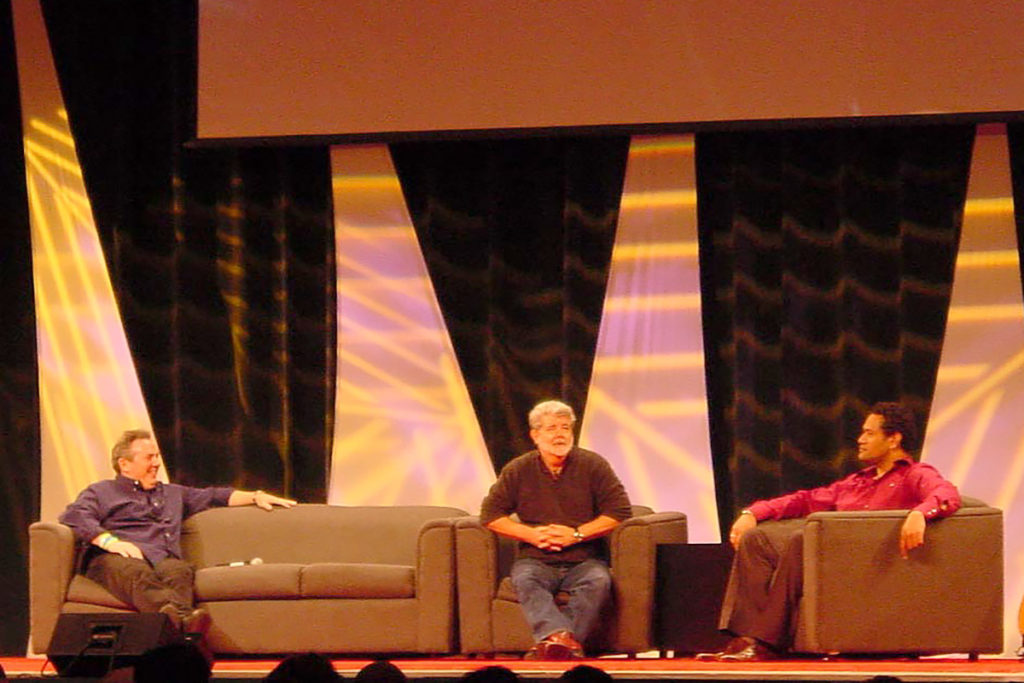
x=577, y=535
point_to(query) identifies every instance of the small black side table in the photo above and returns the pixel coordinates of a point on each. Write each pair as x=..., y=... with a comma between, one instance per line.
x=691, y=579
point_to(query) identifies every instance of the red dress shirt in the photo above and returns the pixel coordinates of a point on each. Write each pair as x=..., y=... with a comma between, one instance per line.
x=907, y=486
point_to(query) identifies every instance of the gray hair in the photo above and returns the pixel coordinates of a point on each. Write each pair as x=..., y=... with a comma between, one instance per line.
x=123, y=447
x=545, y=408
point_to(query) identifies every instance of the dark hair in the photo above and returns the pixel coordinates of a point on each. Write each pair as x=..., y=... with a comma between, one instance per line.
x=304, y=668
x=181, y=662
x=380, y=671
x=491, y=674
x=897, y=418
x=584, y=673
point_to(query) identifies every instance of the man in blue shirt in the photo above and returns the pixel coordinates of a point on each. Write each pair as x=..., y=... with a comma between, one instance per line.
x=132, y=527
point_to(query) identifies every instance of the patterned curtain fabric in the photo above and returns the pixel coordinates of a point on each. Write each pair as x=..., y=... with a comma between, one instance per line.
x=517, y=236
x=221, y=260
x=19, y=390
x=827, y=261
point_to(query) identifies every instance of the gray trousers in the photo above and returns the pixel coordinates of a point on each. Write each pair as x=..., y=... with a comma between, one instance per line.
x=766, y=583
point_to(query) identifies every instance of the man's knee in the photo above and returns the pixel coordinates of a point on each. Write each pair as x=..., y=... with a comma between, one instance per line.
x=595, y=577
x=175, y=570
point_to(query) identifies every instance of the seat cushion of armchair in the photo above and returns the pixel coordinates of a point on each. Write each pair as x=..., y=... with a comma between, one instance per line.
x=506, y=591
x=284, y=581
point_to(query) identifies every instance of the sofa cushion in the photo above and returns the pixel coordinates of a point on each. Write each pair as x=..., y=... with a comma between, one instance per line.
x=278, y=581
x=336, y=580
x=290, y=581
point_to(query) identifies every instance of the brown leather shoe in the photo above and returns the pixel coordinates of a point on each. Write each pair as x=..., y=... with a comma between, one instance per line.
x=756, y=651
x=196, y=622
x=732, y=647
x=563, y=645
x=173, y=615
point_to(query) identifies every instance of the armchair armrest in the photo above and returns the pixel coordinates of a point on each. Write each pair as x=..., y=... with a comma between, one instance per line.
x=477, y=578
x=634, y=558
x=51, y=565
x=948, y=593
x=435, y=585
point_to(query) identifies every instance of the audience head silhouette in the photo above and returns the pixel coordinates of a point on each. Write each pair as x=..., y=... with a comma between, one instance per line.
x=380, y=671
x=179, y=662
x=584, y=673
x=491, y=674
x=304, y=668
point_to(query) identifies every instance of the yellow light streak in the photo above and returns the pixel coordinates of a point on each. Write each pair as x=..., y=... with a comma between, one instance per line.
x=376, y=284
x=985, y=312
x=46, y=154
x=995, y=258
x=962, y=373
x=656, y=146
x=654, y=250
x=361, y=441
x=365, y=183
x=383, y=310
x=654, y=409
x=35, y=162
x=53, y=133
x=653, y=361
x=1011, y=480
x=1012, y=365
x=41, y=231
x=657, y=199
x=652, y=302
x=391, y=380
x=969, y=451
x=605, y=405
x=376, y=233
x=987, y=206
x=466, y=424
x=639, y=472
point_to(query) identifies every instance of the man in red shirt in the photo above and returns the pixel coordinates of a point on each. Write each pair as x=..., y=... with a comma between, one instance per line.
x=767, y=571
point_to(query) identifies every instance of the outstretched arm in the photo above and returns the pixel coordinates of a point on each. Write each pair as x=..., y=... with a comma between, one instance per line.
x=260, y=499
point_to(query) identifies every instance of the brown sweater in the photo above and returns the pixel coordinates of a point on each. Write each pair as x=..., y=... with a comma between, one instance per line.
x=586, y=488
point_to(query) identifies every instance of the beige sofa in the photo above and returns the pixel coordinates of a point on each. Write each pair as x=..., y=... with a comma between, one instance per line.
x=491, y=620
x=333, y=579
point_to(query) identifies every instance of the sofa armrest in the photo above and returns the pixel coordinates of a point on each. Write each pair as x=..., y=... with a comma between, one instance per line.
x=51, y=565
x=477, y=561
x=634, y=558
x=948, y=593
x=435, y=585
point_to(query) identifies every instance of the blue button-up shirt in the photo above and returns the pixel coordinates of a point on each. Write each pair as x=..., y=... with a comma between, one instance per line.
x=149, y=519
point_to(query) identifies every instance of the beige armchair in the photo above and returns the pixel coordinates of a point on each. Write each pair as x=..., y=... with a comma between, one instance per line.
x=860, y=596
x=491, y=621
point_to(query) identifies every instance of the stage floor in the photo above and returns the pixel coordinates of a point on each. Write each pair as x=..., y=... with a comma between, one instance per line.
x=931, y=669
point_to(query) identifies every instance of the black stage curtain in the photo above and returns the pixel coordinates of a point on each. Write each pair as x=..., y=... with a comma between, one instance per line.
x=221, y=260
x=517, y=237
x=19, y=389
x=827, y=264
x=1015, y=140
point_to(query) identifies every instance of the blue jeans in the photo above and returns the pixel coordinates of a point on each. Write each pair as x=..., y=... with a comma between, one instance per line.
x=587, y=583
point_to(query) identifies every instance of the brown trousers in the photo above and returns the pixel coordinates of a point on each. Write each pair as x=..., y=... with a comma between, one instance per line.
x=766, y=583
x=144, y=587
